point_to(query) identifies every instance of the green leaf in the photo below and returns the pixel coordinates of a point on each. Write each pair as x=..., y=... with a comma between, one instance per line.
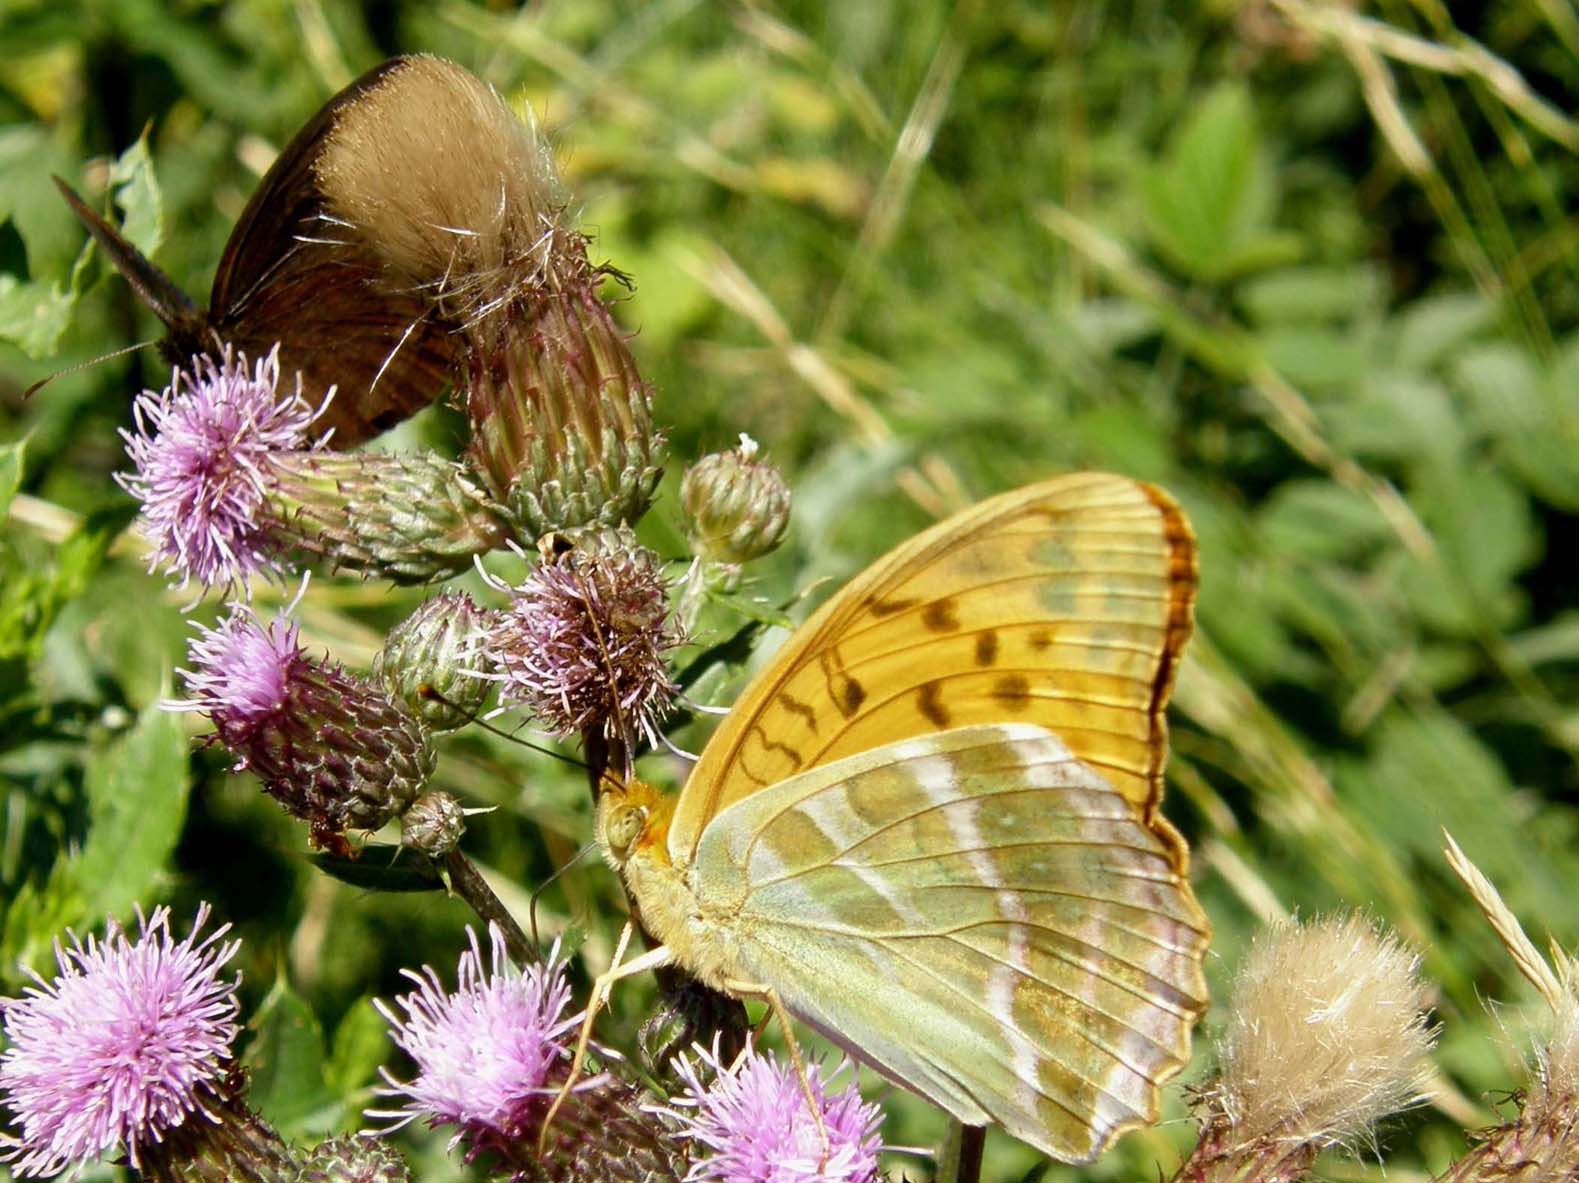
x=1531, y=411
x=382, y=867
x=361, y=1043
x=1399, y=416
x=286, y=1060
x=1486, y=536
x=137, y=790
x=1428, y=772
x=11, y=458
x=1301, y=295
x=1432, y=328
x=34, y=315
x=1209, y=201
x=1318, y=519
x=137, y=193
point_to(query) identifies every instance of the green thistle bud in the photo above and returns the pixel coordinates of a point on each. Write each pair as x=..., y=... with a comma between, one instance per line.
x=354, y=1158
x=234, y=1145
x=433, y=825
x=737, y=505
x=562, y=422
x=433, y=660
x=411, y=518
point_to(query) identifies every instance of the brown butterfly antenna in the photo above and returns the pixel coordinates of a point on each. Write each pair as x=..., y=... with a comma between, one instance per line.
x=531, y=910
x=83, y=365
x=434, y=694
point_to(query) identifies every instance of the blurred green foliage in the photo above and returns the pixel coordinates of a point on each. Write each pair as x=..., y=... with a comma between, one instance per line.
x=1311, y=267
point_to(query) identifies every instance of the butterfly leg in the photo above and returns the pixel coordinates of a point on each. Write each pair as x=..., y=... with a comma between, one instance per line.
x=601, y=985
x=776, y=1008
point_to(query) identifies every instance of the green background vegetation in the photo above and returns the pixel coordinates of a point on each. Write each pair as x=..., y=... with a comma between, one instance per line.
x=1311, y=267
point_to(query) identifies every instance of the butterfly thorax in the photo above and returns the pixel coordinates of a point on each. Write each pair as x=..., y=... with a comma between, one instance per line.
x=633, y=828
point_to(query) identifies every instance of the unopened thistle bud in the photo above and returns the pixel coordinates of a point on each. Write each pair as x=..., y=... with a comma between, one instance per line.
x=331, y=746
x=477, y=222
x=736, y=504
x=353, y=1158
x=435, y=663
x=433, y=825
x=231, y=483
x=584, y=641
x=410, y=518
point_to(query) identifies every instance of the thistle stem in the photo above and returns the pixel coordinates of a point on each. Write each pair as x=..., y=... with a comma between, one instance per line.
x=467, y=882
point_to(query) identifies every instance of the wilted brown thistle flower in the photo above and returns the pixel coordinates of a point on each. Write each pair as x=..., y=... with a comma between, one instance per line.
x=1327, y=1034
x=465, y=206
x=583, y=644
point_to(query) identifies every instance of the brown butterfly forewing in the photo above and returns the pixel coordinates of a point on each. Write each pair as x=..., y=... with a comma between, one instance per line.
x=291, y=275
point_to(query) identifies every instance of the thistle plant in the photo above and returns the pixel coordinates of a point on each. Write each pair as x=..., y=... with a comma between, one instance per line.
x=130, y=1048
x=232, y=484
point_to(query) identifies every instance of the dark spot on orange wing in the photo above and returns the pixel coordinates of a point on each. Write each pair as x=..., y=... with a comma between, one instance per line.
x=1040, y=639
x=940, y=616
x=850, y=695
x=799, y=709
x=884, y=608
x=986, y=647
x=1012, y=692
x=930, y=701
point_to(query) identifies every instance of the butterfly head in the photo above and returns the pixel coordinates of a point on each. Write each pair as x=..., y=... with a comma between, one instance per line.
x=633, y=817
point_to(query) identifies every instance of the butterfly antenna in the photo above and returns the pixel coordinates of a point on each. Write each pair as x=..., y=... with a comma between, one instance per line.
x=531, y=911
x=82, y=365
x=434, y=694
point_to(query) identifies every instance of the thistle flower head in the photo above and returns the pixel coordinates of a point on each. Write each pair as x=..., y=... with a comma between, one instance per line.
x=353, y=1158
x=490, y=1055
x=434, y=824
x=583, y=643
x=736, y=505
x=128, y=1042
x=751, y=1123
x=435, y=663
x=1327, y=1034
x=561, y=421
x=331, y=746
x=201, y=452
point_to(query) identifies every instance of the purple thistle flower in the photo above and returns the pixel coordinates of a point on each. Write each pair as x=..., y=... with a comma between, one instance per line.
x=129, y=1041
x=753, y=1119
x=242, y=671
x=330, y=745
x=583, y=643
x=491, y=1056
x=202, y=452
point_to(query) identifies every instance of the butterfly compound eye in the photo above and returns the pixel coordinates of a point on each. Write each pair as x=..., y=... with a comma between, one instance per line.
x=622, y=828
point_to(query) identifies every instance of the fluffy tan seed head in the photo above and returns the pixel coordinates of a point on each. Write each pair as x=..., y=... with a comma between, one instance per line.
x=1327, y=1033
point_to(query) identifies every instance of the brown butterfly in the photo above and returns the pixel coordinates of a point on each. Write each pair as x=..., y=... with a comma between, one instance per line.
x=293, y=274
